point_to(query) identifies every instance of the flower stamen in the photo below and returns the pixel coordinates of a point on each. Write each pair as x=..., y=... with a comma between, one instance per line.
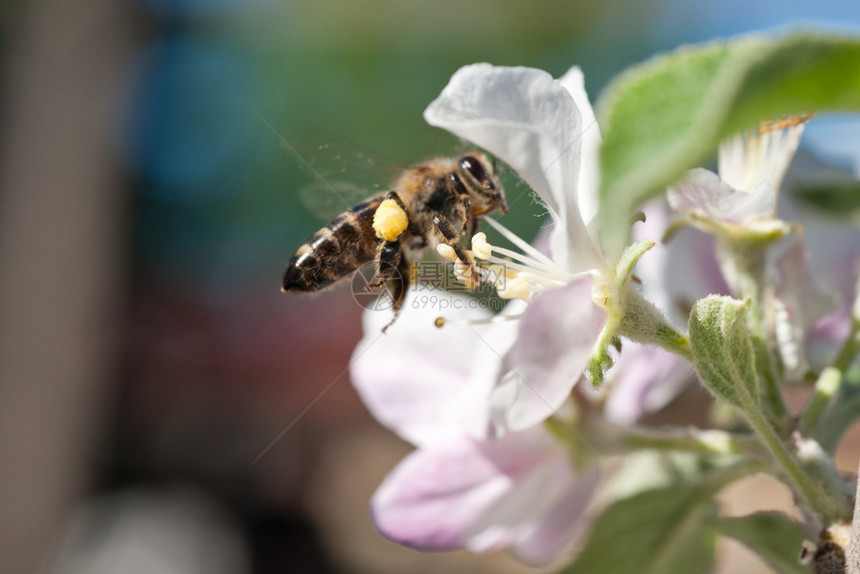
x=483, y=250
x=442, y=321
x=761, y=155
x=518, y=241
x=517, y=276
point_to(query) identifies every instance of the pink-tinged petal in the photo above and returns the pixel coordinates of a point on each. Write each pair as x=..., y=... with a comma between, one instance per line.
x=799, y=301
x=834, y=247
x=535, y=494
x=827, y=336
x=833, y=327
x=557, y=334
x=437, y=497
x=693, y=271
x=704, y=190
x=653, y=266
x=526, y=118
x=415, y=378
x=559, y=529
x=589, y=168
x=642, y=381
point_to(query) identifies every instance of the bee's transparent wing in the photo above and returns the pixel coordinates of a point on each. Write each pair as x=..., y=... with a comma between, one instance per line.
x=341, y=173
x=329, y=198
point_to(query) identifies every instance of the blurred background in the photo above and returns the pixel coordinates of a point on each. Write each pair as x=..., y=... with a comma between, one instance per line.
x=163, y=407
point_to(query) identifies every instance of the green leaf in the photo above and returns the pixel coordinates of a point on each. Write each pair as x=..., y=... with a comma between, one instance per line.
x=722, y=349
x=661, y=531
x=629, y=258
x=838, y=199
x=668, y=114
x=772, y=536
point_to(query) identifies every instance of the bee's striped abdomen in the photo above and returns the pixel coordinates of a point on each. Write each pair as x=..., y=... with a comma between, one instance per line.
x=334, y=251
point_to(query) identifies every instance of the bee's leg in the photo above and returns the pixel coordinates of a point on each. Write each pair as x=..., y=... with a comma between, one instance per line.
x=393, y=195
x=387, y=263
x=398, y=286
x=453, y=240
x=389, y=227
x=469, y=220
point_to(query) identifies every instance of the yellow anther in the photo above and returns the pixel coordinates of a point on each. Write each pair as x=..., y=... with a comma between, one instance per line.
x=389, y=221
x=508, y=272
x=480, y=247
x=439, y=322
x=784, y=123
x=515, y=288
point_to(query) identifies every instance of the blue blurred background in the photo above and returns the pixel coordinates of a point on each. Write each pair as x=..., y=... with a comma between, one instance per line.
x=161, y=399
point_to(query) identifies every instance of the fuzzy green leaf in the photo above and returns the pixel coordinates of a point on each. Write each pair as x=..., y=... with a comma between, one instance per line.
x=660, y=531
x=775, y=538
x=722, y=349
x=668, y=114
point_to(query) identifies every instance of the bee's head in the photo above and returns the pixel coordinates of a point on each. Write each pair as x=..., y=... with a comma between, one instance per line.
x=482, y=181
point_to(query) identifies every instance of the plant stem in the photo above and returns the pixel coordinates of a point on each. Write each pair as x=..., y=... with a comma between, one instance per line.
x=850, y=348
x=827, y=505
x=824, y=416
x=826, y=388
x=707, y=442
x=830, y=380
x=725, y=476
x=853, y=551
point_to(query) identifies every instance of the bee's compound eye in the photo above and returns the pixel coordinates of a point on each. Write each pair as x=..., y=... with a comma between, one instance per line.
x=474, y=167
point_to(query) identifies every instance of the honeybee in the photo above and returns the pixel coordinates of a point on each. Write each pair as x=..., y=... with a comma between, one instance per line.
x=432, y=202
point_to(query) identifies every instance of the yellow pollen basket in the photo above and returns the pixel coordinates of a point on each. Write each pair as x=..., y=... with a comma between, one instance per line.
x=389, y=221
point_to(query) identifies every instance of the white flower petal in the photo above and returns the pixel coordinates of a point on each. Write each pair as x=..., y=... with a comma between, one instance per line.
x=704, y=190
x=589, y=168
x=438, y=496
x=652, y=267
x=526, y=118
x=677, y=273
x=416, y=379
x=556, y=337
x=534, y=494
x=763, y=155
x=643, y=380
x=559, y=530
x=833, y=261
x=800, y=302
